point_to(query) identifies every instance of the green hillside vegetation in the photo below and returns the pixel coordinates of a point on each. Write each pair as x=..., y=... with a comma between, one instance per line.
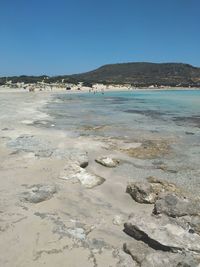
x=145, y=74
x=35, y=79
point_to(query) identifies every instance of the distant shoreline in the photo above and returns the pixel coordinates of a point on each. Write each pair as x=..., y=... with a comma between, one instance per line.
x=99, y=90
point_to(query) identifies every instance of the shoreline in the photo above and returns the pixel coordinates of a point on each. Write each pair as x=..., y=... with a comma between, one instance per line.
x=55, y=211
x=99, y=90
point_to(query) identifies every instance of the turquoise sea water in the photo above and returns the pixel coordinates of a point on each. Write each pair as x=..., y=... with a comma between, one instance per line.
x=123, y=113
x=136, y=116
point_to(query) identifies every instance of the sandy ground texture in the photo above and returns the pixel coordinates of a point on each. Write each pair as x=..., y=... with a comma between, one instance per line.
x=63, y=199
x=48, y=216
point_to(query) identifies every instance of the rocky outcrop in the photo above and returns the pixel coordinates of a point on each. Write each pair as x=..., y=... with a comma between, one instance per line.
x=149, y=149
x=177, y=206
x=149, y=191
x=107, y=162
x=144, y=257
x=170, y=236
x=38, y=193
x=186, y=210
x=161, y=233
x=142, y=192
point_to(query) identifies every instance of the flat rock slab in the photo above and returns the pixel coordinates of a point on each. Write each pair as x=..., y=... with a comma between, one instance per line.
x=146, y=257
x=75, y=172
x=150, y=149
x=30, y=143
x=108, y=162
x=38, y=193
x=161, y=233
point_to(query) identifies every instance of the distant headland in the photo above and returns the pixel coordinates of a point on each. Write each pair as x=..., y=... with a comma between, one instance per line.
x=136, y=74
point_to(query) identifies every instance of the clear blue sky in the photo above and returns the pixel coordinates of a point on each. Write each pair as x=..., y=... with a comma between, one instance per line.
x=71, y=36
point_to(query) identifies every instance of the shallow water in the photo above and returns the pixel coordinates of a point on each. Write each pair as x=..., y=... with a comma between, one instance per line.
x=122, y=113
x=139, y=116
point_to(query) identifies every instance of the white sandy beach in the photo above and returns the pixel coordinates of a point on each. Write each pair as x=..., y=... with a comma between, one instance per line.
x=76, y=224
x=79, y=223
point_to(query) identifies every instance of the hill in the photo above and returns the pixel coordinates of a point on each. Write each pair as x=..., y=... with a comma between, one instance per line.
x=143, y=74
x=138, y=74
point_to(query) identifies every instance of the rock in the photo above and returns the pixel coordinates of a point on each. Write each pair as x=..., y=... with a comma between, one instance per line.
x=38, y=193
x=176, y=206
x=75, y=172
x=137, y=251
x=193, y=222
x=189, y=133
x=77, y=233
x=166, y=168
x=149, y=192
x=170, y=236
x=28, y=122
x=30, y=143
x=107, y=162
x=117, y=220
x=150, y=149
x=142, y=192
x=81, y=158
x=44, y=153
x=89, y=180
x=144, y=256
x=162, y=233
x=164, y=259
x=125, y=260
x=163, y=185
